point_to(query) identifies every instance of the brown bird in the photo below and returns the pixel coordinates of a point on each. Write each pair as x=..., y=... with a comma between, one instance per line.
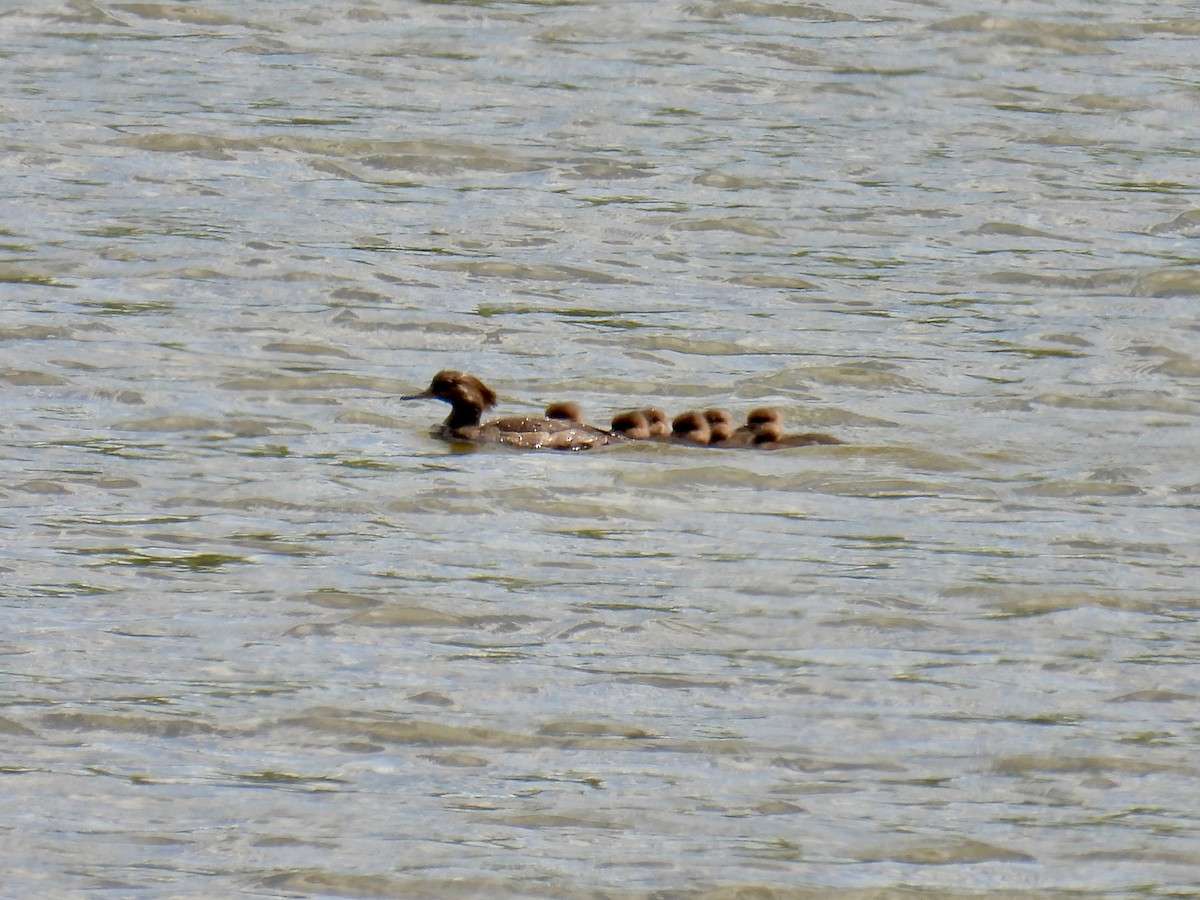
x=567, y=410
x=659, y=422
x=691, y=428
x=632, y=425
x=724, y=435
x=469, y=397
x=760, y=416
x=770, y=436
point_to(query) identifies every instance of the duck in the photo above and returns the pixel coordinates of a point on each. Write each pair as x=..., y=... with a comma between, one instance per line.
x=567, y=410
x=632, y=425
x=759, y=417
x=769, y=436
x=649, y=424
x=659, y=422
x=743, y=436
x=691, y=428
x=469, y=398
x=722, y=432
x=720, y=425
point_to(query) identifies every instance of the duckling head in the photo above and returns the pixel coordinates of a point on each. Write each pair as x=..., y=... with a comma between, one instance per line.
x=633, y=425
x=658, y=421
x=691, y=428
x=720, y=424
x=761, y=416
x=567, y=410
x=767, y=432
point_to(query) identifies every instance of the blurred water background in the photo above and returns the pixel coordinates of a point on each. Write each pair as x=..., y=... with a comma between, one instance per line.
x=263, y=635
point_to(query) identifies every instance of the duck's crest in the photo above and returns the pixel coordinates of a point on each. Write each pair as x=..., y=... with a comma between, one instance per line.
x=451, y=381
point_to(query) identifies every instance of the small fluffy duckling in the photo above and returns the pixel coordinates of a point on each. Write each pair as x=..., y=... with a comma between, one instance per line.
x=691, y=428
x=720, y=425
x=659, y=422
x=567, y=410
x=758, y=417
x=649, y=424
x=632, y=425
x=770, y=436
x=724, y=435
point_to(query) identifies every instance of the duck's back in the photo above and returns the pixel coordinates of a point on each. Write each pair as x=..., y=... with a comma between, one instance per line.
x=538, y=433
x=808, y=439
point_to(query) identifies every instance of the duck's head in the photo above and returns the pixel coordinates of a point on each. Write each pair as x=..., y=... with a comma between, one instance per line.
x=768, y=432
x=761, y=416
x=691, y=428
x=459, y=390
x=720, y=424
x=657, y=420
x=567, y=410
x=633, y=425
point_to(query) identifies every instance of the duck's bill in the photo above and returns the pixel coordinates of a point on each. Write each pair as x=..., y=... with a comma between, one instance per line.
x=424, y=395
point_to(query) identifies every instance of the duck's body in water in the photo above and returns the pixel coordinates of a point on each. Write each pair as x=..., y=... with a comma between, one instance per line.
x=469, y=398
x=770, y=436
x=764, y=431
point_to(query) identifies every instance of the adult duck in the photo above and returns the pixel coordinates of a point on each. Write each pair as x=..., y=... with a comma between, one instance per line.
x=469, y=398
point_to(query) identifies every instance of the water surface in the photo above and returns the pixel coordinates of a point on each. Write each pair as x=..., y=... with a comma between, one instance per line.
x=263, y=634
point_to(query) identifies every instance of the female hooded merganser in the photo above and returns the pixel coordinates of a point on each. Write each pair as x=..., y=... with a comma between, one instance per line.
x=691, y=428
x=769, y=436
x=469, y=397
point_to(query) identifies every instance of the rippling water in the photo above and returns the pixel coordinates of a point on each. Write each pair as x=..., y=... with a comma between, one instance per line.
x=263, y=634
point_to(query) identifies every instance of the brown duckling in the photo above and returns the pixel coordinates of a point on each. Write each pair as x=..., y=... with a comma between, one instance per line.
x=720, y=425
x=469, y=397
x=691, y=428
x=659, y=422
x=744, y=435
x=650, y=424
x=770, y=436
x=758, y=417
x=724, y=435
x=567, y=410
x=632, y=425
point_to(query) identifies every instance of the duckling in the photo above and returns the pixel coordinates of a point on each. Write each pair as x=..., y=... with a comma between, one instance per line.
x=691, y=428
x=659, y=422
x=720, y=425
x=770, y=436
x=469, y=397
x=632, y=425
x=723, y=433
x=567, y=410
x=758, y=417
